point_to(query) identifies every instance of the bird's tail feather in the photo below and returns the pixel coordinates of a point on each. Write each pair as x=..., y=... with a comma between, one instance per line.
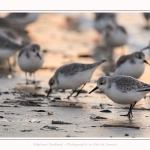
x=142, y=90
x=99, y=62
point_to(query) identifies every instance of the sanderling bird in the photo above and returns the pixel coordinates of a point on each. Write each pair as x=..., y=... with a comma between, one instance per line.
x=72, y=76
x=8, y=47
x=115, y=35
x=123, y=90
x=131, y=65
x=22, y=18
x=30, y=59
x=103, y=19
x=14, y=31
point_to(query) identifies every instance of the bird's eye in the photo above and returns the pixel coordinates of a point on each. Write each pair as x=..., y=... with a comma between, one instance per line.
x=101, y=83
x=138, y=56
x=33, y=50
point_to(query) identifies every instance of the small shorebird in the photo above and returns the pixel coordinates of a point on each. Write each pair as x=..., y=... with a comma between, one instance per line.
x=131, y=65
x=30, y=59
x=15, y=31
x=115, y=35
x=123, y=90
x=72, y=76
x=8, y=47
x=103, y=19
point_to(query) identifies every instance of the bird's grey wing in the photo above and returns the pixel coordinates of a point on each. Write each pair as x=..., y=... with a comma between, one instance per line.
x=18, y=31
x=16, y=15
x=95, y=64
x=142, y=90
x=121, y=60
x=122, y=29
x=127, y=83
x=75, y=68
x=145, y=87
x=71, y=69
x=4, y=23
x=7, y=43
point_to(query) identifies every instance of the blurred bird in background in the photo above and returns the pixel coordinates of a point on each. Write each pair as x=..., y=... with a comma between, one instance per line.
x=22, y=19
x=147, y=17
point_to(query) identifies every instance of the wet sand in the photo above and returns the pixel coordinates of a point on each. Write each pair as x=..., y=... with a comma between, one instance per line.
x=26, y=112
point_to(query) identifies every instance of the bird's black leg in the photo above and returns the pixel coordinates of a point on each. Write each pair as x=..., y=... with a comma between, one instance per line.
x=71, y=94
x=80, y=90
x=26, y=78
x=9, y=65
x=132, y=108
x=129, y=114
x=33, y=79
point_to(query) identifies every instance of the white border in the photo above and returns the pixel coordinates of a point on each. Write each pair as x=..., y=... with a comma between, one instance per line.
x=75, y=5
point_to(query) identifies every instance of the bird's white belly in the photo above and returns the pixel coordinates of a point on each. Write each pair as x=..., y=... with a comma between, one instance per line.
x=116, y=39
x=30, y=64
x=6, y=53
x=124, y=97
x=73, y=82
x=128, y=69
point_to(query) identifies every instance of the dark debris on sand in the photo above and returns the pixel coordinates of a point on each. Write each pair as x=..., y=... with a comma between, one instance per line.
x=60, y=122
x=120, y=126
x=49, y=128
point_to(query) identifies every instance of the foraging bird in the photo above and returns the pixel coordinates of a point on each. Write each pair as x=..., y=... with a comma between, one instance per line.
x=123, y=90
x=30, y=59
x=72, y=76
x=131, y=65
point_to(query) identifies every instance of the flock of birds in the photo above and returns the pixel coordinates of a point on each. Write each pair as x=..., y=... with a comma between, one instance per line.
x=14, y=38
x=123, y=88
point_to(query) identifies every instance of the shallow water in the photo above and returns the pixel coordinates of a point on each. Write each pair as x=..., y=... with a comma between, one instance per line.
x=18, y=115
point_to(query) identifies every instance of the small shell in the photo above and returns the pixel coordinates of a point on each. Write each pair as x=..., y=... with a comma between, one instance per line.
x=92, y=116
x=50, y=113
x=34, y=120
